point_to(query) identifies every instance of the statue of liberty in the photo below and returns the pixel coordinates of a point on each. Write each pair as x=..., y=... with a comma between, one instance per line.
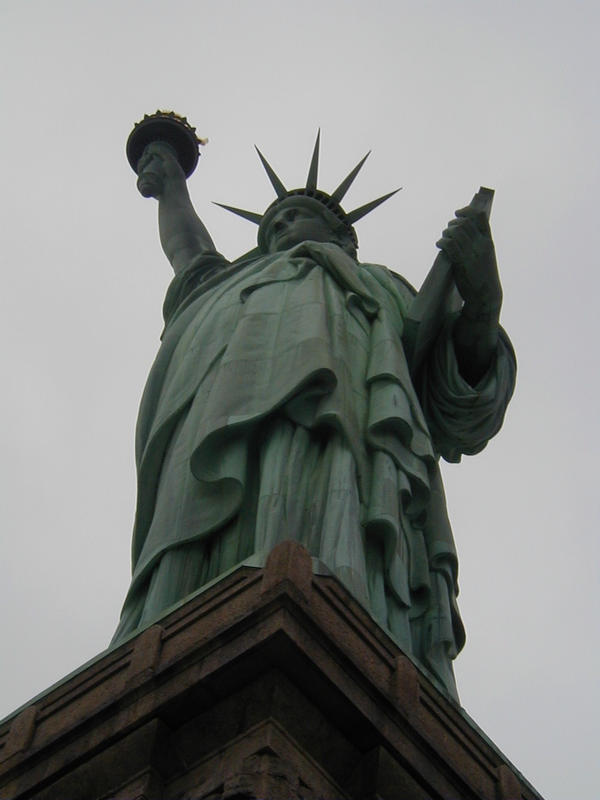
x=299, y=393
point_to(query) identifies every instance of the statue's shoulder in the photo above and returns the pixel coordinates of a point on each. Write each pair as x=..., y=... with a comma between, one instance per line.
x=251, y=255
x=201, y=273
x=391, y=280
x=406, y=285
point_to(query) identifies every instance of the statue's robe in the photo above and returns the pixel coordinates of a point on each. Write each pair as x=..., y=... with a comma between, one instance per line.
x=281, y=406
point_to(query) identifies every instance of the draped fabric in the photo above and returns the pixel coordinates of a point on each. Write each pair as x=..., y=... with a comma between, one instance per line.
x=280, y=406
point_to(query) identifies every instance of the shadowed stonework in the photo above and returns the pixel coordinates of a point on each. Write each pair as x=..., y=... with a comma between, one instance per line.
x=273, y=683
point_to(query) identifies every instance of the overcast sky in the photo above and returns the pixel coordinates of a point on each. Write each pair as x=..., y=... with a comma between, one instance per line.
x=449, y=96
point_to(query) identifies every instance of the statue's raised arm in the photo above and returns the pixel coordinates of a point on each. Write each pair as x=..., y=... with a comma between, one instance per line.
x=163, y=150
x=182, y=233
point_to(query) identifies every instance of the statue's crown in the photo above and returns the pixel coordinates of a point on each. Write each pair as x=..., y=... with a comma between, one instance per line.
x=310, y=194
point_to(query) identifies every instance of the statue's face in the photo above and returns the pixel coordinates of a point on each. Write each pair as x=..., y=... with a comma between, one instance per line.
x=296, y=224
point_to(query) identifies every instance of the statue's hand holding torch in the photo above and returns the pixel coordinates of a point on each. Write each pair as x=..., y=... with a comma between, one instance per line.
x=158, y=169
x=163, y=150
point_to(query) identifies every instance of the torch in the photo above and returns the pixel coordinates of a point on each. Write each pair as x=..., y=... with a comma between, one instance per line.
x=170, y=128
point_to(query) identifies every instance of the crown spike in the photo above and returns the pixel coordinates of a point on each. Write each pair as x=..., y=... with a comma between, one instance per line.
x=249, y=215
x=359, y=213
x=311, y=181
x=339, y=193
x=280, y=189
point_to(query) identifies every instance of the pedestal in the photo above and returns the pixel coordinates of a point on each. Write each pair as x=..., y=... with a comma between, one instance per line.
x=272, y=683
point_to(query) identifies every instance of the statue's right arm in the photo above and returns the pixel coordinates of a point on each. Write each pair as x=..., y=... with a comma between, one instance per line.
x=182, y=234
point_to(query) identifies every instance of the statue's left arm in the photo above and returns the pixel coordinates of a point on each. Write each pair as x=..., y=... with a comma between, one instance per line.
x=467, y=242
x=468, y=375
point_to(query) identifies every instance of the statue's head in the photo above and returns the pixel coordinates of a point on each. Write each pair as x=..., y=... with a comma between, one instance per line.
x=308, y=213
x=297, y=219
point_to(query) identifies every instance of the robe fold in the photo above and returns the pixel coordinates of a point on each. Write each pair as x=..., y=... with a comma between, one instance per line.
x=281, y=406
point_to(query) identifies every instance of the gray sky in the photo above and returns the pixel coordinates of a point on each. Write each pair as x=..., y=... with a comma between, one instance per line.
x=449, y=96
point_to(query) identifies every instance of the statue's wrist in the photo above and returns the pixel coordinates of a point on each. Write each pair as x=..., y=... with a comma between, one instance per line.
x=481, y=312
x=174, y=191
